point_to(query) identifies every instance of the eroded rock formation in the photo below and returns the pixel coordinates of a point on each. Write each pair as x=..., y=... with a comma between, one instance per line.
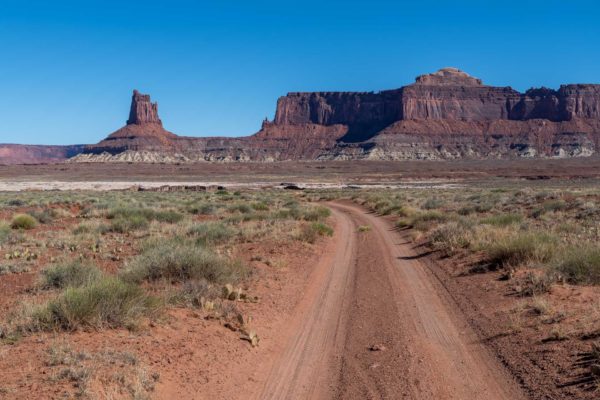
x=444, y=115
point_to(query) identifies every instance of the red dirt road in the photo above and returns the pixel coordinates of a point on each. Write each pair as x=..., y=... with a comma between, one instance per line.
x=375, y=324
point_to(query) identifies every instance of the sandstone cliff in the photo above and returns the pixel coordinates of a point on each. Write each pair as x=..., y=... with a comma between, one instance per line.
x=444, y=115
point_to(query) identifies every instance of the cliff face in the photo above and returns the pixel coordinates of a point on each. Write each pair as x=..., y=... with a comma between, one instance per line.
x=447, y=94
x=143, y=111
x=444, y=115
x=36, y=154
x=143, y=131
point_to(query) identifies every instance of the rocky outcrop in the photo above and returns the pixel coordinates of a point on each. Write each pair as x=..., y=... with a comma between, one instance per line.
x=142, y=110
x=444, y=115
x=143, y=132
x=36, y=154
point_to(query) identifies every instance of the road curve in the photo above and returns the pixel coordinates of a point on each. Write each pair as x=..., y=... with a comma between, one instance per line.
x=375, y=324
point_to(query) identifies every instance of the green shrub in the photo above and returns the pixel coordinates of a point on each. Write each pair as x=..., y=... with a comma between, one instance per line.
x=581, y=265
x=181, y=261
x=70, y=274
x=503, y=219
x=108, y=302
x=23, y=221
x=211, y=233
x=521, y=248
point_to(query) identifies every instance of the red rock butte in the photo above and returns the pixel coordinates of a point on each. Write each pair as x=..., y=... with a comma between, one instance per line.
x=444, y=115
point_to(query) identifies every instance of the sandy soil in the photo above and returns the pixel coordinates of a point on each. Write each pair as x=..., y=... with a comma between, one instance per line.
x=379, y=326
x=331, y=172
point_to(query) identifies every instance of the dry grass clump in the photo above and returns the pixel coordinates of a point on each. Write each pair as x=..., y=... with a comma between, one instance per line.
x=106, y=374
x=423, y=221
x=452, y=236
x=132, y=218
x=127, y=224
x=23, y=221
x=108, y=302
x=4, y=232
x=521, y=248
x=310, y=232
x=503, y=219
x=318, y=213
x=180, y=261
x=69, y=274
x=211, y=233
x=580, y=265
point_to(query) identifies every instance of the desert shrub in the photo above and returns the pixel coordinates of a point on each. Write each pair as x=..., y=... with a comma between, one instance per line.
x=316, y=213
x=503, y=219
x=580, y=265
x=108, y=302
x=425, y=220
x=195, y=292
x=180, y=261
x=260, y=206
x=432, y=203
x=211, y=233
x=385, y=205
x=168, y=216
x=466, y=210
x=554, y=205
x=81, y=229
x=483, y=207
x=23, y=221
x=45, y=216
x=241, y=208
x=202, y=209
x=16, y=203
x=138, y=213
x=4, y=232
x=536, y=284
x=451, y=236
x=322, y=229
x=521, y=248
x=127, y=224
x=310, y=232
x=69, y=274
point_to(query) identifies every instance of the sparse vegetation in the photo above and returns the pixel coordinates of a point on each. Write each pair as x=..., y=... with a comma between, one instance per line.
x=69, y=274
x=180, y=261
x=106, y=302
x=23, y=221
x=580, y=265
x=211, y=233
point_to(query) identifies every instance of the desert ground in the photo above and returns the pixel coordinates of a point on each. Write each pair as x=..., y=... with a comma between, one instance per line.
x=369, y=280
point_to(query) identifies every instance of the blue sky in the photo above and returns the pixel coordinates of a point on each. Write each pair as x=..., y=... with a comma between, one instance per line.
x=217, y=68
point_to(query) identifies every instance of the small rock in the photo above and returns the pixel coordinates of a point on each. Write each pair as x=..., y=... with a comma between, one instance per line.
x=377, y=347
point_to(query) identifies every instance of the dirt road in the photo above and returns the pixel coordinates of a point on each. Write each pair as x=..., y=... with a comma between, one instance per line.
x=375, y=324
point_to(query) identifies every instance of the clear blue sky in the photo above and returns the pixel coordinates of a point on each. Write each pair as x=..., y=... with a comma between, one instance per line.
x=217, y=67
